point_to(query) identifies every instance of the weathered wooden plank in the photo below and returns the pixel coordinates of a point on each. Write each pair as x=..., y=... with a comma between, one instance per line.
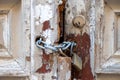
x=80, y=34
x=46, y=22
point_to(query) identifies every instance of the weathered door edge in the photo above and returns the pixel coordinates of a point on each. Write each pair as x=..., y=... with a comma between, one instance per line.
x=43, y=68
x=32, y=38
x=92, y=35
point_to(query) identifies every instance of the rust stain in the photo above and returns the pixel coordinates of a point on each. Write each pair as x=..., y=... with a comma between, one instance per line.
x=46, y=25
x=62, y=6
x=61, y=20
x=82, y=49
x=46, y=67
x=43, y=69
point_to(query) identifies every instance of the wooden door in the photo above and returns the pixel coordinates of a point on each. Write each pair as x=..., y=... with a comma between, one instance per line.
x=23, y=22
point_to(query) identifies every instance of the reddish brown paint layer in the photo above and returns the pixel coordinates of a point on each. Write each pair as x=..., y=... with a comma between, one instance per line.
x=46, y=64
x=46, y=25
x=82, y=49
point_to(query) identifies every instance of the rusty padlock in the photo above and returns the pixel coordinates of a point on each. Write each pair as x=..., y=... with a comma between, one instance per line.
x=76, y=60
x=79, y=21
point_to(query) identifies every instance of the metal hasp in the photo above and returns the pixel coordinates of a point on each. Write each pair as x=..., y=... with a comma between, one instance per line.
x=76, y=60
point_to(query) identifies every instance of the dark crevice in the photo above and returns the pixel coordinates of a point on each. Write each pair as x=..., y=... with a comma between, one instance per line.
x=62, y=20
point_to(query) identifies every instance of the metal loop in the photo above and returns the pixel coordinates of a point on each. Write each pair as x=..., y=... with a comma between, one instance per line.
x=38, y=44
x=71, y=48
x=68, y=44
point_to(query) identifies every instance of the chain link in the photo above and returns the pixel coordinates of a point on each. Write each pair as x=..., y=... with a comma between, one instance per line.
x=63, y=46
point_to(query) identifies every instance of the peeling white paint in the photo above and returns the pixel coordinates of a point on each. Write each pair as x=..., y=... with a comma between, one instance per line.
x=61, y=67
x=50, y=35
x=54, y=69
x=60, y=2
x=50, y=1
x=68, y=75
x=33, y=77
x=43, y=12
x=64, y=68
x=37, y=11
x=37, y=23
x=74, y=8
x=46, y=10
x=78, y=5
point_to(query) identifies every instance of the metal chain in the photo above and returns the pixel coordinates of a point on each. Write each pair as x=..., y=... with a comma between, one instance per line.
x=63, y=46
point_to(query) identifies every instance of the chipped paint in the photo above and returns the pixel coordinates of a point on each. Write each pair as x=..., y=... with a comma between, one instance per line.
x=46, y=19
x=64, y=68
x=48, y=35
x=34, y=77
x=74, y=8
x=45, y=68
x=83, y=50
x=47, y=15
x=43, y=12
x=68, y=75
x=46, y=25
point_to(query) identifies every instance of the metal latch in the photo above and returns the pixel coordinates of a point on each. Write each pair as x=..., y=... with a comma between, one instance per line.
x=76, y=60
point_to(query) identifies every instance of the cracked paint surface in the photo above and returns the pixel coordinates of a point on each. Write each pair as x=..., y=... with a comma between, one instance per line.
x=46, y=14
